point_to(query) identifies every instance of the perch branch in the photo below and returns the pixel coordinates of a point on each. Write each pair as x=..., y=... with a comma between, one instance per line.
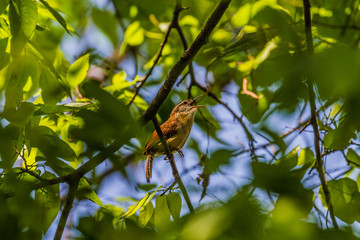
x=175, y=172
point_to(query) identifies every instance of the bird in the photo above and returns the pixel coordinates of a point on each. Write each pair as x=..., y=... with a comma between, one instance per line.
x=176, y=131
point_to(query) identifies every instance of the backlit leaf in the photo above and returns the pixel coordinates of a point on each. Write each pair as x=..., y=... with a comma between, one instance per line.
x=77, y=71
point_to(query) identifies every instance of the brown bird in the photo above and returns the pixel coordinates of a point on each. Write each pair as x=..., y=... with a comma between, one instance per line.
x=176, y=131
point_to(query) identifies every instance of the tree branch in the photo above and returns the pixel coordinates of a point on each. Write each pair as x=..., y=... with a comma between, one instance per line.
x=73, y=185
x=175, y=172
x=313, y=122
x=185, y=59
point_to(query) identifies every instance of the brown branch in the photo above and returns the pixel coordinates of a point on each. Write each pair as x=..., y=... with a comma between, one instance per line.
x=173, y=23
x=175, y=172
x=73, y=185
x=185, y=59
x=313, y=118
x=35, y=175
x=85, y=168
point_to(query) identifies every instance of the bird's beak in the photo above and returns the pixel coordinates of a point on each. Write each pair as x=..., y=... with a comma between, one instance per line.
x=197, y=98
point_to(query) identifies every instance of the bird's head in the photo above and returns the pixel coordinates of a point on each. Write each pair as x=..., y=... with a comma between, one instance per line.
x=186, y=107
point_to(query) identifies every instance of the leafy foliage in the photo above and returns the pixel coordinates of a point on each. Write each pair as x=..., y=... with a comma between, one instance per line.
x=70, y=119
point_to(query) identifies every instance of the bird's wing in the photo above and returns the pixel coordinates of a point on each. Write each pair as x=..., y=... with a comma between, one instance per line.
x=168, y=130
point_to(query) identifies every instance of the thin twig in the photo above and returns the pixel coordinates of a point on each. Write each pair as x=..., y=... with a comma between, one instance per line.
x=246, y=130
x=313, y=120
x=336, y=26
x=185, y=59
x=73, y=185
x=173, y=23
x=175, y=172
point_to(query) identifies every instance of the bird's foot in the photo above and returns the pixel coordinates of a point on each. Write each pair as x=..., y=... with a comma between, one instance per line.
x=180, y=152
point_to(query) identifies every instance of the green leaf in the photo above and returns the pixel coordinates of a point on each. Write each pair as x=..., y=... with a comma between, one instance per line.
x=218, y=158
x=49, y=200
x=28, y=16
x=254, y=109
x=107, y=23
x=174, y=203
x=161, y=213
x=17, y=76
x=56, y=15
x=277, y=178
x=134, y=36
x=306, y=157
x=119, y=82
x=52, y=91
x=146, y=187
x=77, y=71
x=344, y=198
x=290, y=160
x=142, y=202
x=18, y=38
x=133, y=208
x=60, y=168
x=339, y=138
x=50, y=144
x=3, y=5
x=10, y=137
x=145, y=215
x=51, y=109
x=86, y=191
x=242, y=16
x=20, y=115
x=353, y=157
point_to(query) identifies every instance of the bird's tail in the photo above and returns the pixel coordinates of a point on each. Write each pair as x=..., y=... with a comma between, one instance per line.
x=149, y=163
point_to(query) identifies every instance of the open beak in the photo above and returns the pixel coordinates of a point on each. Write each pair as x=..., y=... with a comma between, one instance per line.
x=196, y=99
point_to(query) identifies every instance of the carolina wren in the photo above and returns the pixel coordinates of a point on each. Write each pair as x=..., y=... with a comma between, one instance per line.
x=176, y=131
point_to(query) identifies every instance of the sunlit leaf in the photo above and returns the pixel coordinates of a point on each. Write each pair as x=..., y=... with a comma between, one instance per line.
x=161, y=213
x=56, y=15
x=146, y=213
x=306, y=157
x=174, y=204
x=28, y=14
x=86, y=191
x=77, y=71
x=353, y=157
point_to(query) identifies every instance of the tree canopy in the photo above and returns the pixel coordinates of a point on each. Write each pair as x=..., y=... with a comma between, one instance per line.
x=273, y=155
